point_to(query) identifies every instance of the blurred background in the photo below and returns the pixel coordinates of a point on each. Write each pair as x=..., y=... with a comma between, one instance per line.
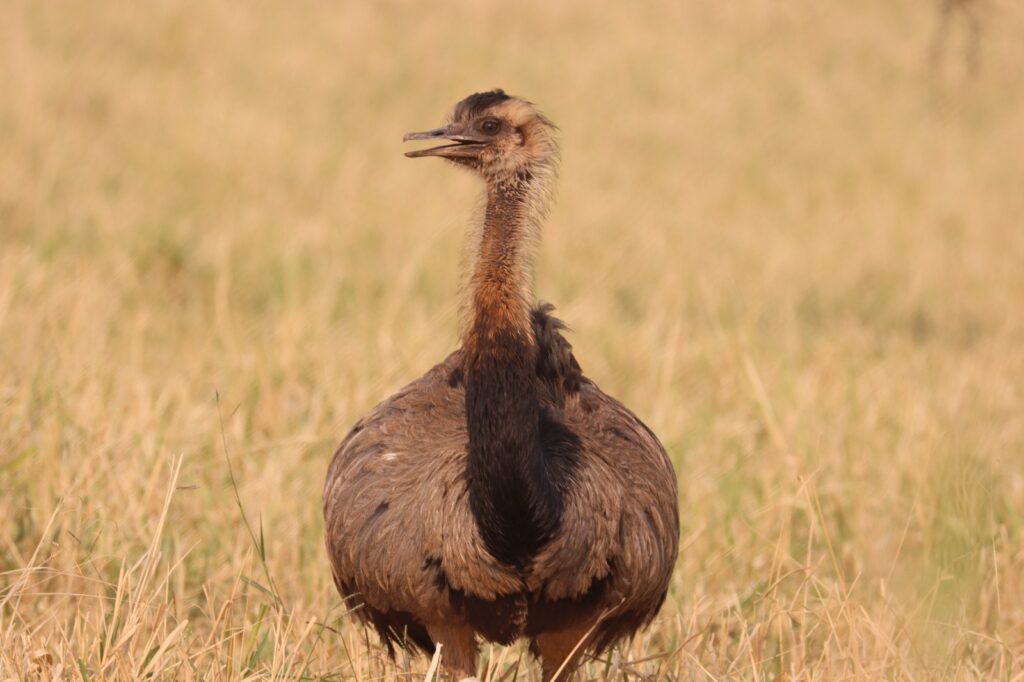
x=788, y=235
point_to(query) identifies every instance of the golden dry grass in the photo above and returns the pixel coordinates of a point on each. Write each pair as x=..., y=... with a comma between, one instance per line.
x=796, y=253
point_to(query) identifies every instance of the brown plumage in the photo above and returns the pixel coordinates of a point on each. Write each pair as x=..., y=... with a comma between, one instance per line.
x=503, y=494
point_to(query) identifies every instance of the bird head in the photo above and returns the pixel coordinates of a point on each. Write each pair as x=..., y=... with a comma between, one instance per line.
x=496, y=135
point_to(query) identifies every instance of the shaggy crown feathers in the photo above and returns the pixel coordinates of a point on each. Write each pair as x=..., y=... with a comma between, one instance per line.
x=503, y=138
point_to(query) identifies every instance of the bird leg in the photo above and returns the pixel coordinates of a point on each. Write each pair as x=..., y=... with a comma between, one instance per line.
x=458, y=649
x=560, y=651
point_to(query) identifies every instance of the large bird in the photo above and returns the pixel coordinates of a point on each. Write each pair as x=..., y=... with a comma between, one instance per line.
x=502, y=494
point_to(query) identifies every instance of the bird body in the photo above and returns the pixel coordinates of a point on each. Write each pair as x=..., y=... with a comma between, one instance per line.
x=503, y=494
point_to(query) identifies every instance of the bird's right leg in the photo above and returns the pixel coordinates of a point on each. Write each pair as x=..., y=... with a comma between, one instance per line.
x=458, y=649
x=561, y=651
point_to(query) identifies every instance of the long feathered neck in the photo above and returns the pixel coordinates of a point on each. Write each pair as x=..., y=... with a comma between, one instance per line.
x=510, y=491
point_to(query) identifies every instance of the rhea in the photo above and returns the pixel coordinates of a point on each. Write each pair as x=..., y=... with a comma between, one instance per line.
x=502, y=495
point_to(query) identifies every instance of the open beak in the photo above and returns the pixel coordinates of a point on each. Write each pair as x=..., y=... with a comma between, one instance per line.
x=463, y=145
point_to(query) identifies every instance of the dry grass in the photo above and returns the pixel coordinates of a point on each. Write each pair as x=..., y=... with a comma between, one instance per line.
x=796, y=254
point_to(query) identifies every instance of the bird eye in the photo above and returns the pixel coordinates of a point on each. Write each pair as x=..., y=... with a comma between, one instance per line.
x=490, y=126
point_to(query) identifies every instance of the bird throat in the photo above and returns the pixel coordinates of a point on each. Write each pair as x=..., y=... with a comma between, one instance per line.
x=511, y=495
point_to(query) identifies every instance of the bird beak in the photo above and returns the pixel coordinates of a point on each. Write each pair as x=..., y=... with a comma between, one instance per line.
x=464, y=144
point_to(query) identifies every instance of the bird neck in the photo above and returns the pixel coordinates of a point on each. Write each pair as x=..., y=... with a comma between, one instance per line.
x=501, y=284
x=511, y=495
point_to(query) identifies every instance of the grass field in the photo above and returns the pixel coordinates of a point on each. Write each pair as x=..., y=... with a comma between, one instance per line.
x=792, y=249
